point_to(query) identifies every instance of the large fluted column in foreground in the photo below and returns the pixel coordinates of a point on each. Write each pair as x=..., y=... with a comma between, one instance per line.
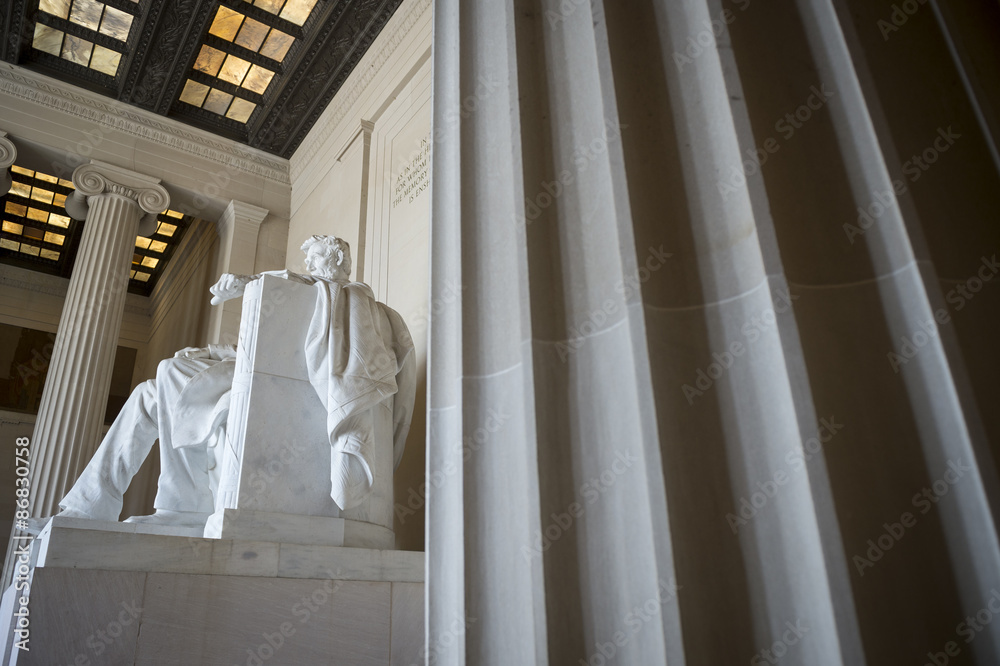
x=671, y=419
x=79, y=378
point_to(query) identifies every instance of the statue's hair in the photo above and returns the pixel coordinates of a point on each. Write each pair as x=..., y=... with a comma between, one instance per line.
x=334, y=247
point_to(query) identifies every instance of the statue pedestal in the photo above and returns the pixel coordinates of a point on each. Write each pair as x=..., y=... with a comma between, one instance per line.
x=101, y=593
x=275, y=481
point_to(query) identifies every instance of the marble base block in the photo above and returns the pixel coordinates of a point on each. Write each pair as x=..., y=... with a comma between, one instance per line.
x=251, y=525
x=125, y=597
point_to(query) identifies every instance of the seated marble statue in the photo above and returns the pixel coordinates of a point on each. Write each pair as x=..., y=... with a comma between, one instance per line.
x=360, y=360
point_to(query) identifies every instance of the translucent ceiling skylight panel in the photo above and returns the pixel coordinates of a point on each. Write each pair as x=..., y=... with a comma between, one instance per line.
x=116, y=24
x=226, y=24
x=58, y=8
x=233, y=70
x=209, y=60
x=276, y=45
x=297, y=11
x=258, y=79
x=272, y=6
x=217, y=102
x=194, y=93
x=105, y=60
x=240, y=110
x=77, y=50
x=87, y=13
x=32, y=227
x=252, y=34
x=222, y=63
x=48, y=39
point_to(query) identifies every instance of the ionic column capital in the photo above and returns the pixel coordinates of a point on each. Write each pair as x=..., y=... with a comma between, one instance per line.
x=8, y=153
x=99, y=178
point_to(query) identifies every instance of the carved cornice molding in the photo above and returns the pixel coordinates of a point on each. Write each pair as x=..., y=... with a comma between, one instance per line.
x=345, y=99
x=115, y=115
x=35, y=286
x=8, y=418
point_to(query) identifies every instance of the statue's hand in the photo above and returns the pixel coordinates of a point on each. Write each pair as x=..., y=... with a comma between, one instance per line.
x=193, y=352
x=228, y=287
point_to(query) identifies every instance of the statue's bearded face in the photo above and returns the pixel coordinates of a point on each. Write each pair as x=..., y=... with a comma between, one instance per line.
x=321, y=262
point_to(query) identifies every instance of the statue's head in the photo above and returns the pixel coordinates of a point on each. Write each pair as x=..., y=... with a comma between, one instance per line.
x=328, y=257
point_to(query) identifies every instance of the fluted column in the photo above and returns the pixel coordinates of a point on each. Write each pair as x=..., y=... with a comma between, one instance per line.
x=76, y=387
x=8, y=153
x=238, y=229
x=700, y=435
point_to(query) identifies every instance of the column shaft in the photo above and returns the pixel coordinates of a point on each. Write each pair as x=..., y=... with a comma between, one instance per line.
x=76, y=388
x=79, y=378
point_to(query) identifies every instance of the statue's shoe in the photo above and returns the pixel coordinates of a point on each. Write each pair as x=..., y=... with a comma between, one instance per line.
x=175, y=518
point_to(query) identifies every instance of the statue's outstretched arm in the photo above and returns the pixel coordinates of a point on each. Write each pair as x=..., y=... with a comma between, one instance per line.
x=232, y=286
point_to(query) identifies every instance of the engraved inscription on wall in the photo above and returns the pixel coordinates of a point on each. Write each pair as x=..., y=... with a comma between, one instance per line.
x=414, y=177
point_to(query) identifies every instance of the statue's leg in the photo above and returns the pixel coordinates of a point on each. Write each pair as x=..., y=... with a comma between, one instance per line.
x=184, y=472
x=98, y=492
x=184, y=481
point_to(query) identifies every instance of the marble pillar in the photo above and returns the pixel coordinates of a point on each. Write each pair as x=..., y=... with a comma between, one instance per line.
x=238, y=229
x=8, y=154
x=667, y=369
x=71, y=413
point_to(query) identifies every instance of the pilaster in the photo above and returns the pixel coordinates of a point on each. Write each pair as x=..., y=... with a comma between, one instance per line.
x=238, y=229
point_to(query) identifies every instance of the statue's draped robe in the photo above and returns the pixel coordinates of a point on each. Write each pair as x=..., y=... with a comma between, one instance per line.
x=359, y=356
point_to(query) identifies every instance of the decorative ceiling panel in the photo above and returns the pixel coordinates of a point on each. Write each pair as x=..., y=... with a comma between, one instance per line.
x=256, y=71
